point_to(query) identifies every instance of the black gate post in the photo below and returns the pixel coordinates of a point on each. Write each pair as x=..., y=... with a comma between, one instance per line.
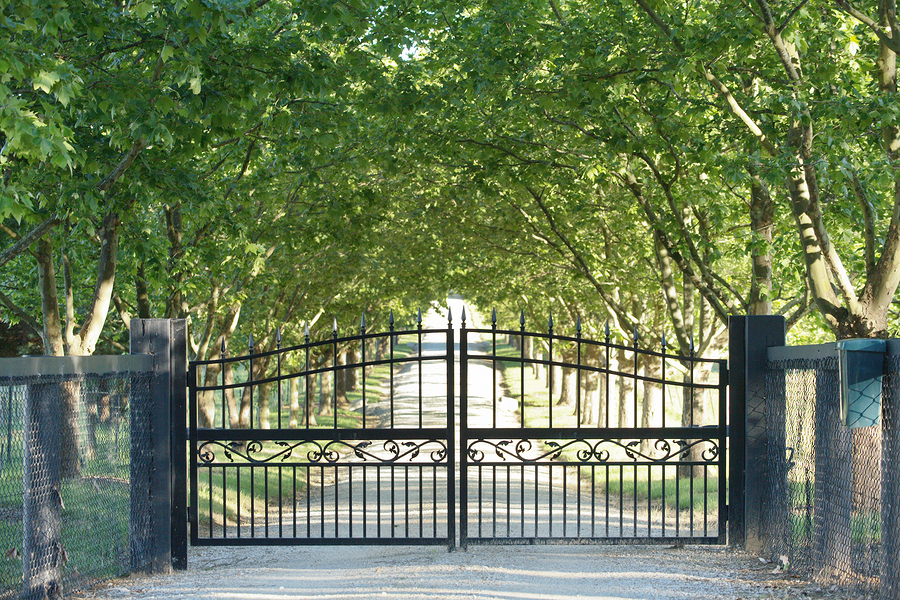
x=748, y=339
x=164, y=476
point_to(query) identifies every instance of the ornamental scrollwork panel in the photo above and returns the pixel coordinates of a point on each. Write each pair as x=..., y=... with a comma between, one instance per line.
x=594, y=451
x=336, y=451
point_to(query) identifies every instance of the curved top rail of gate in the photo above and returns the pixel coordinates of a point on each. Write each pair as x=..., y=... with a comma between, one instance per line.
x=340, y=383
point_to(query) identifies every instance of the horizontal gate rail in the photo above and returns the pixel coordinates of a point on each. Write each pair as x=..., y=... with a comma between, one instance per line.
x=539, y=480
x=387, y=478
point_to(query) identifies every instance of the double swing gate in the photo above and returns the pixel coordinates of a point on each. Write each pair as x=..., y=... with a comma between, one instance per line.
x=546, y=439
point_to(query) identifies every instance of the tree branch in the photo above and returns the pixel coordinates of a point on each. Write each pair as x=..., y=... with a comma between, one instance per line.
x=28, y=239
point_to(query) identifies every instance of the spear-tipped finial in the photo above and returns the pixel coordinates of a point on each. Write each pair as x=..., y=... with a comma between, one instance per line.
x=607, y=329
x=522, y=318
x=578, y=325
x=664, y=341
x=306, y=331
x=391, y=318
x=550, y=322
x=334, y=327
x=450, y=314
x=463, y=317
x=251, y=343
x=278, y=336
x=692, y=342
x=494, y=317
x=635, y=334
x=223, y=346
x=419, y=318
x=362, y=323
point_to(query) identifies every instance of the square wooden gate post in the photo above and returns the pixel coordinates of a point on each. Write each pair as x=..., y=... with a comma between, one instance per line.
x=749, y=337
x=163, y=477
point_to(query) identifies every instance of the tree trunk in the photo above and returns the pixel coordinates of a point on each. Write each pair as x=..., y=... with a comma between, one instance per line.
x=264, y=402
x=294, y=420
x=234, y=420
x=325, y=400
x=626, y=386
x=566, y=387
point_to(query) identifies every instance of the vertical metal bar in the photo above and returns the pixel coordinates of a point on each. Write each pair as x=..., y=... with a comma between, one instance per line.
x=692, y=498
x=209, y=480
x=635, y=356
x=419, y=335
x=463, y=432
x=606, y=385
x=494, y=499
x=224, y=503
x=365, y=509
x=522, y=371
x=649, y=500
x=308, y=503
x=537, y=488
x=322, y=501
x=480, y=497
x=550, y=371
x=250, y=383
x=634, y=476
x=278, y=369
x=565, y=497
x=705, y=500
x=266, y=498
x=391, y=346
x=663, y=470
x=621, y=501
x=252, y=503
x=677, y=503
x=294, y=498
x=378, y=500
x=434, y=506
x=337, y=503
x=578, y=374
x=508, y=500
x=664, y=385
x=306, y=378
x=607, y=503
x=363, y=374
x=578, y=489
x=550, y=497
x=350, y=498
x=237, y=503
x=280, y=503
x=421, y=504
x=493, y=370
x=192, y=435
x=334, y=382
x=522, y=497
x=406, y=495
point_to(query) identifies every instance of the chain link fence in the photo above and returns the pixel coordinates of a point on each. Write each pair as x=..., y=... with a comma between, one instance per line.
x=68, y=446
x=827, y=509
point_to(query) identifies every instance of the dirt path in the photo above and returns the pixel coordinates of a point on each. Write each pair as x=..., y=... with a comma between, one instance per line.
x=481, y=573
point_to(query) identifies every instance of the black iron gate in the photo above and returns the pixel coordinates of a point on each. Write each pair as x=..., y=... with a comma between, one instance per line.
x=285, y=450
x=377, y=470
x=541, y=469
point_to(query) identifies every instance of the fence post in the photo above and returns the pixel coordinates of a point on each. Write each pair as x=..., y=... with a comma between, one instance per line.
x=162, y=477
x=890, y=474
x=749, y=337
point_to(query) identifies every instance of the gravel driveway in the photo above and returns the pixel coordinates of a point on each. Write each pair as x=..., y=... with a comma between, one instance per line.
x=481, y=573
